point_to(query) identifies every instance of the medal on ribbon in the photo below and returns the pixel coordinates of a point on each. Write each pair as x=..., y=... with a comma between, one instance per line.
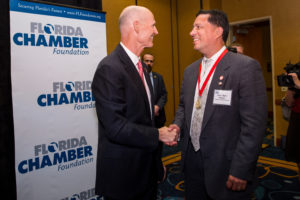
x=201, y=89
x=198, y=103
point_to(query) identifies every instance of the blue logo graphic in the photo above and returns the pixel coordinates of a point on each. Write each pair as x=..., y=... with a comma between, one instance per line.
x=69, y=86
x=75, y=197
x=51, y=147
x=49, y=28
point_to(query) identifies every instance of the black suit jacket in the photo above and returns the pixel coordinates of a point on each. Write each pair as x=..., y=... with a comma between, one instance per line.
x=231, y=136
x=160, y=98
x=128, y=160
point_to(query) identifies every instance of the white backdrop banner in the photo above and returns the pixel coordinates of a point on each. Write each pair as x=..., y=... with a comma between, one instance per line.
x=54, y=54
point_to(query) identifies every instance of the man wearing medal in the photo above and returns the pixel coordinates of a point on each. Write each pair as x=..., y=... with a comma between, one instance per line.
x=222, y=115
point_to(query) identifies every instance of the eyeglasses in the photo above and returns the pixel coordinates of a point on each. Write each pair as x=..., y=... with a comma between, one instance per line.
x=151, y=61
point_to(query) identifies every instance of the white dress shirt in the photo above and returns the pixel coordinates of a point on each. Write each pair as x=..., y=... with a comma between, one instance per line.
x=204, y=73
x=135, y=60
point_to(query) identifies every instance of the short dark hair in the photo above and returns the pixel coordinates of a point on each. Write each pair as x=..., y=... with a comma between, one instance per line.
x=148, y=54
x=218, y=18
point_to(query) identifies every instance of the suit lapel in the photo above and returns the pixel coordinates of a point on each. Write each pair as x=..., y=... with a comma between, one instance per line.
x=190, y=90
x=133, y=73
x=221, y=70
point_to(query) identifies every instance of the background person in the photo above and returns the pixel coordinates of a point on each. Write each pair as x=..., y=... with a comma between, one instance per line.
x=295, y=80
x=292, y=99
x=159, y=90
x=160, y=96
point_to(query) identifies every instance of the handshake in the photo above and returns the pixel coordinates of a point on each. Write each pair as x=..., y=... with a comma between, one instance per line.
x=169, y=135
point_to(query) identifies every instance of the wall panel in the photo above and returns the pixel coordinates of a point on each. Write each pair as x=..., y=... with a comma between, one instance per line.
x=113, y=10
x=162, y=49
x=186, y=15
x=285, y=31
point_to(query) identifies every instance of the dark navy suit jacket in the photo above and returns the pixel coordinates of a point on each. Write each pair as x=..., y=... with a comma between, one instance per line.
x=128, y=160
x=160, y=98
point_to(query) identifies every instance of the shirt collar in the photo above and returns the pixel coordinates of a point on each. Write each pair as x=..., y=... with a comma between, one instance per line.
x=216, y=55
x=131, y=55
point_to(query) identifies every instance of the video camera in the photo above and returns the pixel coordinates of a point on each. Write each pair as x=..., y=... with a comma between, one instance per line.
x=286, y=80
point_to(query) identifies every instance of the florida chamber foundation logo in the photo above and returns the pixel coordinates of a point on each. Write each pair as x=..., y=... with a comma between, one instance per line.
x=76, y=93
x=84, y=195
x=62, y=39
x=64, y=154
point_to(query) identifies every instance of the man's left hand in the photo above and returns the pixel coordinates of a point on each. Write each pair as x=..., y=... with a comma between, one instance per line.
x=236, y=184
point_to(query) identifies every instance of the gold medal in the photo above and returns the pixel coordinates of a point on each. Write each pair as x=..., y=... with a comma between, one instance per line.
x=198, y=104
x=201, y=89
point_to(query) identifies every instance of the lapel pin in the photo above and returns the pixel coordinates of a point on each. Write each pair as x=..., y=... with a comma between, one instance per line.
x=221, y=77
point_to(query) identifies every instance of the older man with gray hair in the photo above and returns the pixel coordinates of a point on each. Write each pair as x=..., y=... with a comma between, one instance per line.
x=128, y=161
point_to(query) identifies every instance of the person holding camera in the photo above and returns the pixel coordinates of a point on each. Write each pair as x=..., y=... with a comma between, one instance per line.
x=292, y=99
x=295, y=79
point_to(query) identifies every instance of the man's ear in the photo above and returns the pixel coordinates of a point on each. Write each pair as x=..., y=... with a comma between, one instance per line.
x=136, y=26
x=219, y=31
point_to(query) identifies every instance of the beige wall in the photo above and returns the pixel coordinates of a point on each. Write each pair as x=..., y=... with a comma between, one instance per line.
x=113, y=9
x=173, y=46
x=162, y=48
x=186, y=15
x=285, y=32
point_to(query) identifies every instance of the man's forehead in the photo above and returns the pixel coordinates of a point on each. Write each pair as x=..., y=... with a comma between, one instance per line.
x=149, y=16
x=201, y=17
x=148, y=56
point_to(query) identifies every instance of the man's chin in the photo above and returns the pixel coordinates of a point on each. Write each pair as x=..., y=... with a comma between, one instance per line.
x=197, y=47
x=149, y=45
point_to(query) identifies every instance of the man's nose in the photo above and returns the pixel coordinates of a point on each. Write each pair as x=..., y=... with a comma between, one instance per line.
x=192, y=32
x=155, y=31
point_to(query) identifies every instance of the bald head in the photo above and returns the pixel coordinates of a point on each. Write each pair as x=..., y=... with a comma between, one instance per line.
x=131, y=14
x=137, y=27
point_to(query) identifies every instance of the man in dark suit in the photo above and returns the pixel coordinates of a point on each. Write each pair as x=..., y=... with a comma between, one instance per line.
x=222, y=114
x=159, y=90
x=128, y=160
x=160, y=95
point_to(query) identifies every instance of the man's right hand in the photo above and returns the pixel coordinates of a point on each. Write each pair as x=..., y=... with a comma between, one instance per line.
x=174, y=127
x=167, y=136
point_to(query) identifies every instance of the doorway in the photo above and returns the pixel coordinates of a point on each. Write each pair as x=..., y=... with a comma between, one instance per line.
x=256, y=37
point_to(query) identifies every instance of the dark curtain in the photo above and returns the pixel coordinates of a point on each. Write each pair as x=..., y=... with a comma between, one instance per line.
x=7, y=150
